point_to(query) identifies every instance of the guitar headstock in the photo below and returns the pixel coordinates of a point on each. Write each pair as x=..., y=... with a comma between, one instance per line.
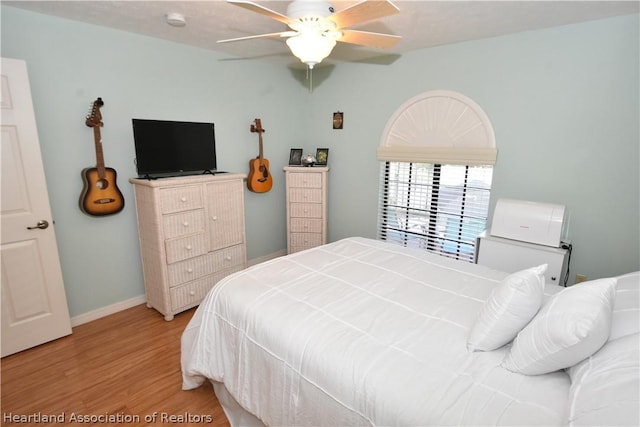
x=94, y=118
x=257, y=126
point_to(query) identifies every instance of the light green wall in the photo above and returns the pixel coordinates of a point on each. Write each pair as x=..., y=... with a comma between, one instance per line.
x=70, y=64
x=563, y=103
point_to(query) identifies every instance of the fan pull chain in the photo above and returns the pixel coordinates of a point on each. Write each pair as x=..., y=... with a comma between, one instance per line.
x=310, y=78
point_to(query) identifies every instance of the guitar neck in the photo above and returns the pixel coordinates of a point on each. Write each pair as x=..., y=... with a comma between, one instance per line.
x=260, y=144
x=99, y=155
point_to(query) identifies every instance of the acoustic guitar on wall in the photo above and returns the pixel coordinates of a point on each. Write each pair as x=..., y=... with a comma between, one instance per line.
x=259, y=179
x=100, y=195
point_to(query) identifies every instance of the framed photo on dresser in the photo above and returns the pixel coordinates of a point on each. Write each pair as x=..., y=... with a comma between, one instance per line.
x=322, y=156
x=295, y=157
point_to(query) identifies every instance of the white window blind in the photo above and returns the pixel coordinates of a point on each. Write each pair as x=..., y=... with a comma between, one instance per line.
x=437, y=152
x=439, y=207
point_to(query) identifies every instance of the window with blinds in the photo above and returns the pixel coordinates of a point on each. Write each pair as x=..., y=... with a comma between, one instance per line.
x=439, y=207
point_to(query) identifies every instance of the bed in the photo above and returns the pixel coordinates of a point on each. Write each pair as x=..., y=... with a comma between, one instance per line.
x=364, y=332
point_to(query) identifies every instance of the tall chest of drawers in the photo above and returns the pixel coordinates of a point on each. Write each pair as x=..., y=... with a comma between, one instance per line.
x=192, y=234
x=306, y=207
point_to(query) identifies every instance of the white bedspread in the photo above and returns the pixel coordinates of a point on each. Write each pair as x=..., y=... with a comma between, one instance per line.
x=362, y=332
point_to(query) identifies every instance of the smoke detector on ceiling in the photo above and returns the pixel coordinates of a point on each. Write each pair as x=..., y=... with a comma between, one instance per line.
x=176, y=19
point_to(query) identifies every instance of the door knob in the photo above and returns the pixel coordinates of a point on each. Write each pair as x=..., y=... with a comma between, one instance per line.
x=42, y=224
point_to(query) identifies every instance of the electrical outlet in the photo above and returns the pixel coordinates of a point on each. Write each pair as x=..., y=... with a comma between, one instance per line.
x=581, y=278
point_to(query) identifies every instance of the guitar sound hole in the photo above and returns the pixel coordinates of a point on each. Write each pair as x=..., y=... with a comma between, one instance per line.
x=102, y=184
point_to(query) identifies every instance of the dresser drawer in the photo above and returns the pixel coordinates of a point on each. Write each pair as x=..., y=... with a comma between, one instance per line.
x=306, y=225
x=183, y=223
x=193, y=268
x=182, y=198
x=191, y=294
x=188, y=270
x=185, y=247
x=305, y=210
x=306, y=239
x=306, y=180
x=233, y=256
x=305, y=195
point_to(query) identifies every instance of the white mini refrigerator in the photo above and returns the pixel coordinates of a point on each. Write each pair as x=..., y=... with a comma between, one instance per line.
x=512, y=255
x=525, y=234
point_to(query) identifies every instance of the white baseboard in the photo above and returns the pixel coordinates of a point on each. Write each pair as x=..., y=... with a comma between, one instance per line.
x=132, y=302
x=105, y=311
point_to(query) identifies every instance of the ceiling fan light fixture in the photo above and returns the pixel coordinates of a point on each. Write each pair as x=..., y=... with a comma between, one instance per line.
x=312, y=23
x=300, y=8
x=311, y=47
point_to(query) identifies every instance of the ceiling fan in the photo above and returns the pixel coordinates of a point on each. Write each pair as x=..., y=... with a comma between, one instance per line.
x=315, y=26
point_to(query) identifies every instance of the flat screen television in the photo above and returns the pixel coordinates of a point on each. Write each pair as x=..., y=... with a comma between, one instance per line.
x=171, y=148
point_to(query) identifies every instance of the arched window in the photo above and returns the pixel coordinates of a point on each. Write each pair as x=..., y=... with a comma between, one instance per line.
x=437, y=153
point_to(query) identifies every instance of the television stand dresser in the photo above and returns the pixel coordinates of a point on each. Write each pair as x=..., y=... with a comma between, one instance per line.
x=192, y=234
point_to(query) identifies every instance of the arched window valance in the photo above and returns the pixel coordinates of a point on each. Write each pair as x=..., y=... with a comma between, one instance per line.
x=439, y=127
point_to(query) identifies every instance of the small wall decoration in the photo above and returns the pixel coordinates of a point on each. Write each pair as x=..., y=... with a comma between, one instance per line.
x=295, y=157
x=338, y=120
x=322, y=156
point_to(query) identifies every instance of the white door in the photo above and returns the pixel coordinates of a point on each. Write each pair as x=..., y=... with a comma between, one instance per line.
x=34, y=305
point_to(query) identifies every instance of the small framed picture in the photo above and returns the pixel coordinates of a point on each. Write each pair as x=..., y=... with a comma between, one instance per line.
x=295, y=157
x=338, y=120
x=322, y=155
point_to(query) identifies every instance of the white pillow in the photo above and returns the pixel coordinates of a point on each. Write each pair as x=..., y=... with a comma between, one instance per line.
x=511, y=305
x=605, y=388
x=626, y=308
x=573, y=325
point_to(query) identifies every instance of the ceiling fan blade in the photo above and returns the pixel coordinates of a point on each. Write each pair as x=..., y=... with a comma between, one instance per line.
x=257, y=36
x=254, y=7
x=366, y=10
x=366, y=38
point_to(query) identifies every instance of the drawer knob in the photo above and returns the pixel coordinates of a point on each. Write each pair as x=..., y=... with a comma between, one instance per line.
x=214, y=218
x=189, y=247
x=228, y=258
x=189, y=270
x=186, y=223
x=192, y=293
x=183, y=199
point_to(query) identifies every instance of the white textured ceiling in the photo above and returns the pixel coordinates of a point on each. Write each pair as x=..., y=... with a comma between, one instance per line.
x=421, y=24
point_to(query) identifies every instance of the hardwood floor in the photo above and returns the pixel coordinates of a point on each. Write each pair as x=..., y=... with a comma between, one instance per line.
x=121, y=369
